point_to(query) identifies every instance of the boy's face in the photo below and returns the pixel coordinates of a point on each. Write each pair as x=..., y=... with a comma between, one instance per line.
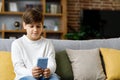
x=33, y=30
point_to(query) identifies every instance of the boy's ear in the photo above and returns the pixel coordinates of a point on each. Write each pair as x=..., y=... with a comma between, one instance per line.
x=24, y=25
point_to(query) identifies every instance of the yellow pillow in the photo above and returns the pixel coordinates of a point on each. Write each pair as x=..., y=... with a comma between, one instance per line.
x=6, y=67
x=111, y=58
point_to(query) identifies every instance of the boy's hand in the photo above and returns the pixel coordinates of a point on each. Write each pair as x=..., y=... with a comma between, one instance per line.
x=36, y=72
x=46, y=73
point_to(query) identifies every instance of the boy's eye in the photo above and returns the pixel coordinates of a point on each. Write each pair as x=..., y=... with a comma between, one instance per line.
x=31, y=26
x=38, y=26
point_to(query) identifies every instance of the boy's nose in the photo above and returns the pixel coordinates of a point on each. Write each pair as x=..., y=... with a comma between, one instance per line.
x=35, y=29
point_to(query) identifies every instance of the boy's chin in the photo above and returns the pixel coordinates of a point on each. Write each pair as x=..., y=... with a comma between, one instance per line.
x=35, y=38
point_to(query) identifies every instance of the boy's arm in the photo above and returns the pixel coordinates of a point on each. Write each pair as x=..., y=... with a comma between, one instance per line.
x=51, y=57
x=17, y=61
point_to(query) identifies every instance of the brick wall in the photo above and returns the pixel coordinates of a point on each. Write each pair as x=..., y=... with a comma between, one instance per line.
x=75, y=7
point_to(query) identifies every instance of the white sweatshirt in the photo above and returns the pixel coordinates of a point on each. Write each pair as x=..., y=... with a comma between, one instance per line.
x=25, y=52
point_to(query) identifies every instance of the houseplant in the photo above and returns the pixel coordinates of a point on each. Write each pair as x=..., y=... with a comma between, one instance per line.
x=85, y=32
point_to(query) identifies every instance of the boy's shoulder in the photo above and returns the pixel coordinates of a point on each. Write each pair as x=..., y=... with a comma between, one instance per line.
x=18, y=40
x=46, y=40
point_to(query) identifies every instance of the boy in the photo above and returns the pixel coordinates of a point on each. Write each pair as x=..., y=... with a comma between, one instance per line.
x=28, y=48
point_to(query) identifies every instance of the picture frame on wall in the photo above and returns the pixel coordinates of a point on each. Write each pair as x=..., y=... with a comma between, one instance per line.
x=13, y=6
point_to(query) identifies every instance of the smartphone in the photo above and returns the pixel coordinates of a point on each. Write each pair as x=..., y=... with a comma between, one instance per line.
x=42, y=63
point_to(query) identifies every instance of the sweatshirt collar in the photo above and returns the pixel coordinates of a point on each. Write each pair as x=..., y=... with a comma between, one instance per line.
x=31, y=41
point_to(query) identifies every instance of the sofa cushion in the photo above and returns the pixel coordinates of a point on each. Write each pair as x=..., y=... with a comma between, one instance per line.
x=64, y=68
x=6, y=67
x=112, y=65
x=86, y=64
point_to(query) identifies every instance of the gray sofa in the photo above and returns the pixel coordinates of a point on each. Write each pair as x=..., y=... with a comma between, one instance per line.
x=61, y=45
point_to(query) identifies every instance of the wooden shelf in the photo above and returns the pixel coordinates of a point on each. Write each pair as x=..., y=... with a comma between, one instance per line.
x=11, y=13
x=21, y=31
x=14, y=31
x=49, y=14
x=53, y=31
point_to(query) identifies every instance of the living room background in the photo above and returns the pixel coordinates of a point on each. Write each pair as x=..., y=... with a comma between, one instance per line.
x=76, y=7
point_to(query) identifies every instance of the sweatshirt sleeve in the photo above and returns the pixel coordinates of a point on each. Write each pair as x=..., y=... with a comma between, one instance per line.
x=51, y=57
x=17, y=61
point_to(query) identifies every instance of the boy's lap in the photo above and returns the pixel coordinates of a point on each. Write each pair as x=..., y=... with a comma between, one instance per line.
x=28, y=78
x=53, y=77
